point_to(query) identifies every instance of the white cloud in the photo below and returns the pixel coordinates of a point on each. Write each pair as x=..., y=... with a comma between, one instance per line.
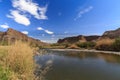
x=4, y=26
x=45, y=30
x=28, y=6
x=40, y=28
x=49, y=41
x=24, y=8
x=66, y=32
x=49, y=32
x=19, y=18
x=25, y=32
x=84, y=11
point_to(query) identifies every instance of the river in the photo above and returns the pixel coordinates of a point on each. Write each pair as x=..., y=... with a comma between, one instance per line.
x=70, y=65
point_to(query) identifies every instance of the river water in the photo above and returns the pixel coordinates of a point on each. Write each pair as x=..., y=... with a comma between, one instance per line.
x=72, y=65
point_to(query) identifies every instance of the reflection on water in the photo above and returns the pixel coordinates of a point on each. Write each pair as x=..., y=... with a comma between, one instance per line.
x=81, y=66
x=107, y=57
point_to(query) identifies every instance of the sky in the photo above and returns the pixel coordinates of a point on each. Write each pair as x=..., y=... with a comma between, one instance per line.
x=50, y=20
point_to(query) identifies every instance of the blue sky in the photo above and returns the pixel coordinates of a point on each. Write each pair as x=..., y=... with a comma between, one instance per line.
x=49, y=20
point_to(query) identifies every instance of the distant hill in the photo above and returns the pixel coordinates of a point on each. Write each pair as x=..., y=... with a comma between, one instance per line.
x=81, y=38
x=112, y=34
x=11, y=35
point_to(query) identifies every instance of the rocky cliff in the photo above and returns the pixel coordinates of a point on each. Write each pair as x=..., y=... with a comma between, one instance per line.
x=11, y=35
x=112, y=34
x=108, y=34
x=79, y=38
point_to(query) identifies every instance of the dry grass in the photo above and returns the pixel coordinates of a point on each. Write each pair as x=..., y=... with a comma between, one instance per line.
x=73, y=46
x=19, y=59
x=106, y=41
x=104, y=44
x=17, y=63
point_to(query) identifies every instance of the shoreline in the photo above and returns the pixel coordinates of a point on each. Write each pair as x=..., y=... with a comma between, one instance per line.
x=86, y=50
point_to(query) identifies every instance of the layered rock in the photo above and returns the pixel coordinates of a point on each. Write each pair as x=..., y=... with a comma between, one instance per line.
x=107, y=35
x=12, y=35
x=112, y=34
x=79, y=38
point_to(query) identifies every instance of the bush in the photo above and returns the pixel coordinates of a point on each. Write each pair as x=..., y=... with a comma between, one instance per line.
x=4, y=73
x=17, y=63
x=104, y=44
x=19, y=60
x=4, y=43
x=116, y=45
x=86, y=45
x=104, y=47
x=73, y=46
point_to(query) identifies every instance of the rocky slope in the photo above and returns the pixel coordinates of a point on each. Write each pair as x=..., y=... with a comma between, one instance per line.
x=112, y=34
x=108, y=34
x=11, y=35
x=79, y=38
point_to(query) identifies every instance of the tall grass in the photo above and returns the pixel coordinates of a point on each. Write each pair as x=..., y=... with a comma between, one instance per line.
x=104, y=41
x=17, y=63
x=17, y=59
x=104, y=44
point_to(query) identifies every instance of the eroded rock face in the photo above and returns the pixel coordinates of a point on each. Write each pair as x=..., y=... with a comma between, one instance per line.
x=80, y=38
x=112, y=34
x=70, y=39
x=91, y=38
x=108, y=34
x=12, y=35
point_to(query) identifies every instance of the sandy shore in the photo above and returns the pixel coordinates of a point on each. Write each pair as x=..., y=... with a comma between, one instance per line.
x=86, y=50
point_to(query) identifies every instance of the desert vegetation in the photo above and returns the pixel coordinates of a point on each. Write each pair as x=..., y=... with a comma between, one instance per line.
x=116, y=45
x=105, y=44
x=86, y=45
x=17, y=63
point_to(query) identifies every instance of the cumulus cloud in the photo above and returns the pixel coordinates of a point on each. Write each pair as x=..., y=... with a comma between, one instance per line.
x=24, y=8
x=4, y=26
x=25, y=32
x=19, y=18
x=30, y=7
x=82, y=12
x=49, y=32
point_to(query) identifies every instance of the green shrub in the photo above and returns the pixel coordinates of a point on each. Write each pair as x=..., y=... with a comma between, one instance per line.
x=86, y=45
x=55, y=44
x=4, y=74
x=116, y=45
x=105, y=47
x=4, y=43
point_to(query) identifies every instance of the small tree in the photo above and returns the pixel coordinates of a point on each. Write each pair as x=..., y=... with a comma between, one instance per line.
x=86, y=45
x=116, y=45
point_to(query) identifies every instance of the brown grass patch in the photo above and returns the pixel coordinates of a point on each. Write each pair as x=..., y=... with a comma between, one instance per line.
x=106, y=41
x=104, y=44
x=19, y=60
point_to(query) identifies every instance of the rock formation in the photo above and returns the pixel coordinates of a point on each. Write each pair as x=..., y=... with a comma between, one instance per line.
x=11, y=35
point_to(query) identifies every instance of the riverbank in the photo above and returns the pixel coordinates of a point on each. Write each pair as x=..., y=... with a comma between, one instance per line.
x=86, y=50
